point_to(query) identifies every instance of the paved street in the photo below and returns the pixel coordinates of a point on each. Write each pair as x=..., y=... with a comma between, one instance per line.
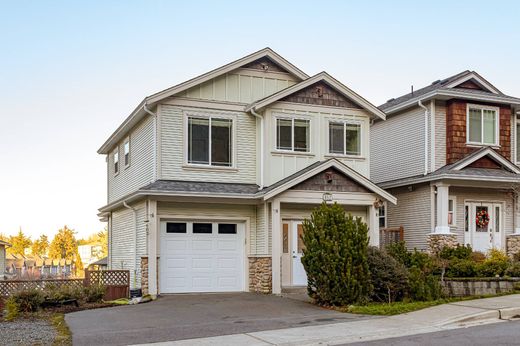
x=178, y=317
x=496, y=334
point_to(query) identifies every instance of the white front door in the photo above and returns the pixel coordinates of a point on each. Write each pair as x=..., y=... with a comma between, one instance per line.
x=484, y=236
x=299, y=276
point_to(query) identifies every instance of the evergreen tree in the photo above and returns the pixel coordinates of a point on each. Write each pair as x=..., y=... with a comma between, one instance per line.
x=65, y=246
x=335, y=257
x=40, y=245
x=19, y=243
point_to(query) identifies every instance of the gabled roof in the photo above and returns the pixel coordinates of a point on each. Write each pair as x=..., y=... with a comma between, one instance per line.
x=139, y=112
x=462, y=170
x=320, y=77
x=319, y=167
x=448, y=88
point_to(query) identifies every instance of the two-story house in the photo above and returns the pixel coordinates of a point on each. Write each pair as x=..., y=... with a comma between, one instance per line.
x=448, y=152
x=209, y=180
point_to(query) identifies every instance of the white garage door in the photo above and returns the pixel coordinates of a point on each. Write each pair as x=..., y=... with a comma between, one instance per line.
x=201, y=257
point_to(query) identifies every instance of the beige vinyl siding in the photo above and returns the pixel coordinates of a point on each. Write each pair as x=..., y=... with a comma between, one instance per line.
x=397, y=146
x=241, y=85
x=282, y=164
x=2, y=261
x=123, y=246
x=194, y=211
x=440, y=134
x=260, y=238
x=413, y=213
x=140, y=172
x=173, y=147
x=467, y=194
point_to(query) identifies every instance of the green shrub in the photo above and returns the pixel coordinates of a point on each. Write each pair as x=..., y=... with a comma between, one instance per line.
x=28, y=300
x=94, y=293
x=12, y=310
x=389, y=278
x=477, y=257
x=399, y=252
x=63, y=292
x=458, y=252
x=516, y=257
x=461, y=268
x=513, y=270
x=335, y=257
x=423, y=286
x=497, y=255
x=490, y=268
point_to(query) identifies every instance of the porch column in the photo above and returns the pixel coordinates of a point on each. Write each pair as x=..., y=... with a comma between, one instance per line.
x=442, y=209
x=276, y=247
x=152, y=247
x=373, y=222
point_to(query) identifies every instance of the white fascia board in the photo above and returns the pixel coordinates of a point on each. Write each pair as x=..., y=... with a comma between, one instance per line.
x=342, y=168
x=322, y=76
x=494, y=155
x=420, y=180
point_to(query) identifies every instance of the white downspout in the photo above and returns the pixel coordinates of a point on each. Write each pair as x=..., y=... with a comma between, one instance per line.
x=145, y=108
x=425, y=136
x=135, y=240
x=261, y=147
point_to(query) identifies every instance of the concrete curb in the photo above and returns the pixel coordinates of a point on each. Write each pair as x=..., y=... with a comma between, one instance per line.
x=509, y=313
x=481, y=316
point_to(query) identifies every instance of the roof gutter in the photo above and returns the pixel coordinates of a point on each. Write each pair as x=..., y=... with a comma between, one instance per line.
x=258, y=116
x=425, y=136
x=154, y=156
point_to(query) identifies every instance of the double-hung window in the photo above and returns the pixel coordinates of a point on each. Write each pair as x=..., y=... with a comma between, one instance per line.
x=126, y=147
x=382, y=216
x=482, y=125
x=116, y=161
x=293, y=134
x=344, y=138
x=210, y=141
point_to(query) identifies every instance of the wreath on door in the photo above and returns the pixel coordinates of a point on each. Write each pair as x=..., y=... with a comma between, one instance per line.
x=482, y=219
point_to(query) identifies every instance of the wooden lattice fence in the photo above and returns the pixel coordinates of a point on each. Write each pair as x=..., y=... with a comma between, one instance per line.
x=8, y=287
x=389, y=236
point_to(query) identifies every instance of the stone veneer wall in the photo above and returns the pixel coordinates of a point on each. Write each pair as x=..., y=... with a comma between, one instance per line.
x=260, y=274
x=513, y=244
x=438, y=241
x=144, y=274
x=462, y=287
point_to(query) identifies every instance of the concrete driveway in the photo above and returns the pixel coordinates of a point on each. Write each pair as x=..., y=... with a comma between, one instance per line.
x=178, y=317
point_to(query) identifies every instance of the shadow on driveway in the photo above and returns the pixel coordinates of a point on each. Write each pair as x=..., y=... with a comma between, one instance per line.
x=177, y=317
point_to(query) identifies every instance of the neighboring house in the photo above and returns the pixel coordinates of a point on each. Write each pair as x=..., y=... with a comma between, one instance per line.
x=37, y=267
x=209, y=181
x=89, y=253
x=3, y=246
x=448, y=152
x=101, y=264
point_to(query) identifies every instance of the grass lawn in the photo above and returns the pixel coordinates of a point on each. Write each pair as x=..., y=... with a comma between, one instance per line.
x=396, y=308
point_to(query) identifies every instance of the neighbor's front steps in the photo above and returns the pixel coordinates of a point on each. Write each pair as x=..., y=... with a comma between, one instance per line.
x=437, y=318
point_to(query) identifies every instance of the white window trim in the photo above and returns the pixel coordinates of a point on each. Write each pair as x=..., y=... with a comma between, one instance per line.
x=497, y=125
x=116, y=151
x=292, y=118
x=127, y=140
x=385, y=206
x=233, y=141
x=345, y=122
x=454, y=212
x=517, y=152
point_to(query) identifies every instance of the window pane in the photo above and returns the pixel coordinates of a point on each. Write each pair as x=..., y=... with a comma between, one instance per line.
x=301, y=135
x=227, y=228
x=353, y=139
x=127, y=153
x=221, y=146
x=116, y=162
x=489, y=127
x=497, y=219
x=205, y=228
x=285, y=238
x=517, y=141
x=301, y=245
x=176, y=227
x=336, y=142
x=198, y=140
x=475, y=123
x=283, y=134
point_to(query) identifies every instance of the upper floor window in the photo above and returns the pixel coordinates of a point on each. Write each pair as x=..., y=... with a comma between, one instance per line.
x=127, y=152
x=482, y=125
x=210, y=141
x=382, y=216
x=344, y=138
x=293, y=134
x=116, y=161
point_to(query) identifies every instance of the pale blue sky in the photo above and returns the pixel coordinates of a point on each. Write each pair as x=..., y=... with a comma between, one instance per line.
x=71, y=71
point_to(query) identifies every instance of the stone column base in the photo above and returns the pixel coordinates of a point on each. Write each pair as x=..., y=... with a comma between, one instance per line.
x=260, y=274
x=513, y=244
x=144, y=274
x=436, y=242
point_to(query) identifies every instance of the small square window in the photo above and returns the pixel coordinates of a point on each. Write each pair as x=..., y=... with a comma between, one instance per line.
x=202, y=228
x=176, y=227
x=227, y=228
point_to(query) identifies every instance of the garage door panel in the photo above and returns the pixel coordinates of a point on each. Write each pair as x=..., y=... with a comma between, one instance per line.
x=209, y=262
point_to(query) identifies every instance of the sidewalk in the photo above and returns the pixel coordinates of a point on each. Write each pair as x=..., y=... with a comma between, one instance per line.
x=442, y=317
